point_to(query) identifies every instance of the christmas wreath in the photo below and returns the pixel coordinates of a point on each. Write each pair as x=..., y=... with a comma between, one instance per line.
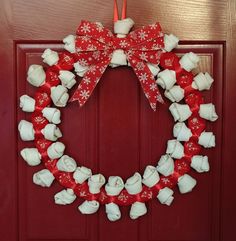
x=148, y=51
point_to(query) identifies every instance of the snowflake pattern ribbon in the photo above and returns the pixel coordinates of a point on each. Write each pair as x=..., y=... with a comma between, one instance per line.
x=95, y=46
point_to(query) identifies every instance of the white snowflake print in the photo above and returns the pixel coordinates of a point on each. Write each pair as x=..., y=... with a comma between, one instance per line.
x=39, y=120
x=153, y=26
x=105, y=51
x=179, y=167
x=102, y=69
x=83, y=62
x=85, y=28
x=129, y=53
x=155, y=47
x=143, y=56
x=84, y=94
x=151, y=57
x=99, y=27
x=91, y=47
x=143, y=77
x=159, y=98
x=85, y=39
x=67, y=59
x=147, y=195
x=153, y=86
x=144, y=48
x=101, y=39
x=142, y=35
x=133, y=35
x=92, y=69
x=109, y=34
x=102, y=196
x=82, y=194
x=147, y=95
x=123, y=197
x=96, y=55
x=165, y=180
x=123, y=44
x=86, y=80
x=42, y=145
x=153, y=106
x=140, y=66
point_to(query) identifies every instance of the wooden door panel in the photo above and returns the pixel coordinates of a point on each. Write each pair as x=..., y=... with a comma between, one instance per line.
x=116, y=133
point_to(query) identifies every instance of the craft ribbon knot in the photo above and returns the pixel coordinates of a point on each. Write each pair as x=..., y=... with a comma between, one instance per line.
x=95, y=46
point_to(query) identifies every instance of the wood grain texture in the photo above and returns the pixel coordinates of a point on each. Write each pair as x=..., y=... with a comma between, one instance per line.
x=212, y=20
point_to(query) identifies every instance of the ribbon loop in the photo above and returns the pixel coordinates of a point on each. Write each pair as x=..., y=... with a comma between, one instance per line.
x=95, y=46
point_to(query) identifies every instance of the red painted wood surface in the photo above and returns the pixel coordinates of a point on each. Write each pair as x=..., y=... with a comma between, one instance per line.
x=116, y=133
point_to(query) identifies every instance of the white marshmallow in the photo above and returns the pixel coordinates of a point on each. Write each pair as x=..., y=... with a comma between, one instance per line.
x=65, y=197
x=165, y=165
x=207, y=111
x=52, y=115
x=189, y=61
x=69, y=42
x=80, y=70
x=181, y=131
x=154, y=68
x=170, y=41
x=150, y=176
x=175, y=149
x=43, y=178
x=200, y=163
x=36, y=75
x=89, y=207
x=166, y=79
x=113, y=212
x=95, y=182
x=26, y=130
x=67, y=78
x=133, y=184
x=59, y=96
x=175, y=94
x=180, y=112
x=66, y=164
x=55, y=150
x=27, y=103
x=50, y=57
x=51, y=132
x=31, y=156
x=118, y=58
x=207, y=139
x=123, y=26
x=114, y=186
x=137, y=210
x=165, y=196
x=202, y=81
x=81, y=174
x=186, y=183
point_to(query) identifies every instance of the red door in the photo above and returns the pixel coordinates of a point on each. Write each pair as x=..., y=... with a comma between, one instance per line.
x=116, y=132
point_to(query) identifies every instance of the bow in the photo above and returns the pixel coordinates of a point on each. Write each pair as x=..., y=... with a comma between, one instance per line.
x=95, y=46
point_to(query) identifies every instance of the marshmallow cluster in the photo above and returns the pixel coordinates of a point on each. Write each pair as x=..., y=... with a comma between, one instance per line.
x=36, y=75
x=65, y=197
x=95, y=182
x=81, y=174
x=189, y=61
x=50, y=57
x=80, y=70
x=69, y=42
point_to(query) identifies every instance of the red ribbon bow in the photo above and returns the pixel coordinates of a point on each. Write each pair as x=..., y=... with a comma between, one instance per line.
x=95, y=46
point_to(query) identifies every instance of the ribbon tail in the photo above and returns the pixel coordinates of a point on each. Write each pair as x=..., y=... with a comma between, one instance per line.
x=147, y=81
x=89, y=82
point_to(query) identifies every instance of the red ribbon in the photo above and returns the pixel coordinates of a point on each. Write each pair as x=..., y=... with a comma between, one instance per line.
x=95, y=46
